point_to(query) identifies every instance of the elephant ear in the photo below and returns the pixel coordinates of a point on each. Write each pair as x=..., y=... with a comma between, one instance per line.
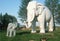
x=40, y=9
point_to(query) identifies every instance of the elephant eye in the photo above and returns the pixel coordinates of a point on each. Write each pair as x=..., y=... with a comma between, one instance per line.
x=44, y=8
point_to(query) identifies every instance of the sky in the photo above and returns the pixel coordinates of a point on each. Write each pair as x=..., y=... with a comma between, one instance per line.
x=12, y=6
x=9, y=6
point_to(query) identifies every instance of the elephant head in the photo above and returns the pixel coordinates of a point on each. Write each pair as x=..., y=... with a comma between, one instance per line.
x=31, y=10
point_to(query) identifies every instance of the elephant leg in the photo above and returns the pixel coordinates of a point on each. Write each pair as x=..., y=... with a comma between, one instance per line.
x=41, y=20
x=33, y=26
x=42, y=28
x=33, y=29
x=14, y=32
x=7, y=32
x=10, y=33
x=51, y=24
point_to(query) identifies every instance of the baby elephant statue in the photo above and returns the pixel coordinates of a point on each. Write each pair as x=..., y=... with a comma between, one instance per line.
x=43, y=15
x=11, y=29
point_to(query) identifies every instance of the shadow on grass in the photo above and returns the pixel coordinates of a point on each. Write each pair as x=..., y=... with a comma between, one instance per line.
x=21, y=33
x=38, y=31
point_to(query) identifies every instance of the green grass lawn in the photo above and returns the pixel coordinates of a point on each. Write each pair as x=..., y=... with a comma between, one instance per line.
x=25, y=35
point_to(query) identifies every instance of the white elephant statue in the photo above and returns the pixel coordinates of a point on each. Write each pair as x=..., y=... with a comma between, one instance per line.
x=11, y=29
x=43, y=15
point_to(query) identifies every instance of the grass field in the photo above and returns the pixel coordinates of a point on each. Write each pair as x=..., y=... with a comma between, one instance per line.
x=25, y=35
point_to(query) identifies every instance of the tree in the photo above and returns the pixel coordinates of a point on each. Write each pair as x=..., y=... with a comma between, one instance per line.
x=12, y=18
x=22, y=9
x=1, y=21
x=7, y=19
x=58, y=16
x=53, y=6
x=0, y=17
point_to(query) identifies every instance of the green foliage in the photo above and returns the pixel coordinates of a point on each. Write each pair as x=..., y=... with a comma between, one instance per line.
x=52, y=4
x=1, y=21
x=58, y=17
x=0, y=16
x=22, y=9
